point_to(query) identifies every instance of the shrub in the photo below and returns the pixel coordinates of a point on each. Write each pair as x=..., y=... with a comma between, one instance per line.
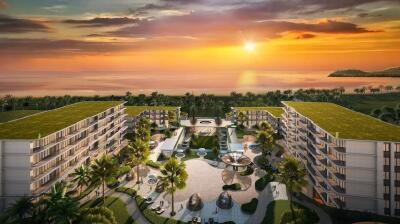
x=129, y=191
x=155, y=165
x=262, y=182
x=161, y=157
x=302, y=217
x=123, y=170
x=112, y=182
x=249, y=170
x=98, y=215
x=233, y=187
x=250, y=207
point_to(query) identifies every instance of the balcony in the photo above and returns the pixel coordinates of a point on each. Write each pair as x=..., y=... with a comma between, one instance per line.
x=336, y=161
x=339, y=202
x=386, y=154
x=386, y=196
x=339, y=175
x=339, y=149
x=312, y=130
x=396, y=154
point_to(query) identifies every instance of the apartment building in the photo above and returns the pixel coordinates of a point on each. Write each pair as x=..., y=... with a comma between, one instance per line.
x=42, y=149
x=156, y=114
x=255, y=115
x=352, y=160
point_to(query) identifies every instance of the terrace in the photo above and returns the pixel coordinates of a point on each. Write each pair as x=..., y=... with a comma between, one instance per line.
x=344, y=123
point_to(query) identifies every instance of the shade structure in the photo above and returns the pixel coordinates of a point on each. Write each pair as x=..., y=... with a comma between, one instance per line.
x=236, y=159
x=195, y=203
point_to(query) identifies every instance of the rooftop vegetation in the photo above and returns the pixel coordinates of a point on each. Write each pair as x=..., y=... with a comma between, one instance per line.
x=345, y=123
x=12, y=115
x=275, y=111
x=43, y=124
x=136, y=110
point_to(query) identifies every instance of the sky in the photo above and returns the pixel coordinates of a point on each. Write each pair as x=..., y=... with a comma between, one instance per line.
x=185, y=44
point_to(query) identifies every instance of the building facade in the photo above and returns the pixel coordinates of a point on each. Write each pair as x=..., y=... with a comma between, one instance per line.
x=31, y=166
x=255, y=115
x=156, y=115
x=346, y=169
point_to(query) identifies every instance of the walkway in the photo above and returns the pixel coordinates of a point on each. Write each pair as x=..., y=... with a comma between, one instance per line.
x=131, y=207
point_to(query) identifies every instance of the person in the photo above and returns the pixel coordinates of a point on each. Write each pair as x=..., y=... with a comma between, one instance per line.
x=181, y=206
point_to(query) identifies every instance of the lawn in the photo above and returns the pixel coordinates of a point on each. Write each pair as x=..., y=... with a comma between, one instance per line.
x=136, y=110
x=48, y=122
x=12, y=115
x=116, y=205
x=240, y=132
x=207, y=142
x=276, y=209
x=275, y=111
x=345, y=123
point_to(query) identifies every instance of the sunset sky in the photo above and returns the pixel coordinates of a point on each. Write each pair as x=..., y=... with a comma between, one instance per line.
x=52, y=44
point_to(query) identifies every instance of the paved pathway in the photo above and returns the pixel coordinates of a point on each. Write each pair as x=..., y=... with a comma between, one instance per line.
x=131, y=207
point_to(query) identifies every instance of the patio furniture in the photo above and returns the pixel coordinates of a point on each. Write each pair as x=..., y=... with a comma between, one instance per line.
x=160, y=211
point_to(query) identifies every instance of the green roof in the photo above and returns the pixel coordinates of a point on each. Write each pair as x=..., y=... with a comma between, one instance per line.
x=347, y=123
x=275, y=111
x=136, y=110
x=51, y=121
x=12, y=115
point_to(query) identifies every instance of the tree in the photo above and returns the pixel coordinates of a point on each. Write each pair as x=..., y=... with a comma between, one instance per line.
x=99, y=215
x=19, y=212
x=171, y=117
x=61, y=208
x=388, y=88
x=173, y=177
x=81, y=177
x=139, y=153
x=241, y=118
x=292, y=174
x=192, y=113
x=143, y=129
x=102, y=169
x=266, y=141
x=265, y=126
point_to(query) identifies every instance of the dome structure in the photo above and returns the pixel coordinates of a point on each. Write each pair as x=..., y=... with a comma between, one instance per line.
x=224, y=200
x=195, y=203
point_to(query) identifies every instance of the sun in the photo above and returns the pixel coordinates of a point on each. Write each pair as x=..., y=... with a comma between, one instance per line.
x=249, y=46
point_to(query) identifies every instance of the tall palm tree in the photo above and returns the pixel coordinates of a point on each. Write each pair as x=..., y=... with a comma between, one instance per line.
x=61, y=208
x=139, y=153
x=265, y=126
x=292, y=174
x=266, y=141
x=171, y=117
x=241, y=118
x=143, y=129
x=102, y=169
x=173, y=177
x=19, y=212
x=81, y=177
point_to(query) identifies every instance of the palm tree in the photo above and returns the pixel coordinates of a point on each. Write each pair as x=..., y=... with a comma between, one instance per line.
x=173, y=177
x=241, y=118
x=171, y=117
x=266, y=141
x=139, y=153
x=81, y=177
x=97, y=215
x=60, y=207
x=143, y=129
x=20, y=211
x=265, y=126
x=388, y=88
x=292, y=174
x=102, y=169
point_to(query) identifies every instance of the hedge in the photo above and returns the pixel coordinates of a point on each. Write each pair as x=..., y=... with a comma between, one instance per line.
x=123, y=170
x=112, y=182
x=302, y=217
x=262, y=182
x=155, y=165
x=249, y=170
x=129, y=191
x=233, y=187
x=250, y=207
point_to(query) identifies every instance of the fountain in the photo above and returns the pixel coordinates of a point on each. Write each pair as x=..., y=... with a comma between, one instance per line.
x=201, y=152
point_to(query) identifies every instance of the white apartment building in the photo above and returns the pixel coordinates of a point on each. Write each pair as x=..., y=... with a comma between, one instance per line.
x=353, y=160
x=42, y=149
x=255, y=115
x=156, y=114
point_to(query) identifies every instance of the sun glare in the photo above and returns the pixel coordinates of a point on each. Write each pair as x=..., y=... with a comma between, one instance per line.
x=249, y=46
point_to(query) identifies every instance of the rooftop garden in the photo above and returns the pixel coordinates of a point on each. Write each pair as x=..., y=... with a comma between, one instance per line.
x=45, y=123
x=275, y=111
x=12, y=115
x=136, y=110
x=347, y=124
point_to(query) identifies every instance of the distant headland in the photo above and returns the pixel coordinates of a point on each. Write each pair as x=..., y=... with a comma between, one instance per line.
x=391, y=72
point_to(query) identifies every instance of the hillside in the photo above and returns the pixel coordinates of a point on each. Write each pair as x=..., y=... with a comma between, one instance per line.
x=391, y=72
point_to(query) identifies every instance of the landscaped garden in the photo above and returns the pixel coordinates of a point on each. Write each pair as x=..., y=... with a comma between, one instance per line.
x=207, y=142
x=280, y=209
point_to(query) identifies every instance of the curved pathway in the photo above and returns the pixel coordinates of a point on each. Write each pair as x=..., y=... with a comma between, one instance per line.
x=131, y=207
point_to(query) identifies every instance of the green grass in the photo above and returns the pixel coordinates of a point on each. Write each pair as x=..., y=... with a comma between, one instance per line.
x=240, y=132
x=274, y=111
x=48, y=122
x=136, y=110
x=116, y=205
x=365, y=103
x=346, y=123
x=207, y=142
x=155, y=165
x=151, y=216
x=277, y=208
x=12, y=115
